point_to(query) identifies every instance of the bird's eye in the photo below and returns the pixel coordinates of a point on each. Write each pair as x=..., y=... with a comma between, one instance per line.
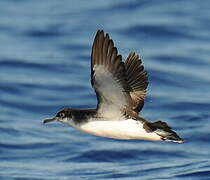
x=62, y=115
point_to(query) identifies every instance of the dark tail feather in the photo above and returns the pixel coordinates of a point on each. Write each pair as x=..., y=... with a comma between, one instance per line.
x=162, y=129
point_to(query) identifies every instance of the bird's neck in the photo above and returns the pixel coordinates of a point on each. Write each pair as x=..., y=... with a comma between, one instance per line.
x=82, y=115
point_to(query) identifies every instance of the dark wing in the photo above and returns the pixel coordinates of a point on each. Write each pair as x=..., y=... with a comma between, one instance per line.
x=137, y=79
x=108, y=78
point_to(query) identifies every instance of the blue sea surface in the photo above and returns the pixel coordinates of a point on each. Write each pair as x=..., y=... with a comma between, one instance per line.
x=45, y=51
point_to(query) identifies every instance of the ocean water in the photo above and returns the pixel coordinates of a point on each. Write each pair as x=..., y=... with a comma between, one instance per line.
x=45, y=51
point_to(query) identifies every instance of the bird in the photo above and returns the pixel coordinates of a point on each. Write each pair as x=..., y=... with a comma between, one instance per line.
x=120, y=89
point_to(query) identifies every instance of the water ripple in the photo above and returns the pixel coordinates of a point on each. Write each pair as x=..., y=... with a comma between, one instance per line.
x=45, y=66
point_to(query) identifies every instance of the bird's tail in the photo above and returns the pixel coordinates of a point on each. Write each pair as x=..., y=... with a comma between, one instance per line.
x=165, y=132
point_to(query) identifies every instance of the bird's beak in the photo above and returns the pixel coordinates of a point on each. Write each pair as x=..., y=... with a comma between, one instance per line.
x=49, y=120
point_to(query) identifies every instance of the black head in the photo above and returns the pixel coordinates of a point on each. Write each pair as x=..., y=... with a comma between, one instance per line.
x=64, y=115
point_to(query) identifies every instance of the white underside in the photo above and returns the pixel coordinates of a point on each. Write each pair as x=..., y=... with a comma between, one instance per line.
x=124, y=129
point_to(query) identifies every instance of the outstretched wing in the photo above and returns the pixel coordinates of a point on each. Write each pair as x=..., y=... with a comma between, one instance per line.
x=108, y=78
x=137, y=79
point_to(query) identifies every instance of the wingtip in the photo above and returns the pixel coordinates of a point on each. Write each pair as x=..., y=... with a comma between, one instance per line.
x=100, y=31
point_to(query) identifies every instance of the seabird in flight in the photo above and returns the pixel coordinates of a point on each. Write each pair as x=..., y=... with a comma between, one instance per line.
x=120, y=88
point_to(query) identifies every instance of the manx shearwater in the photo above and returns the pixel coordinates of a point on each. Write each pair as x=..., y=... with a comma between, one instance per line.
x=120, y=88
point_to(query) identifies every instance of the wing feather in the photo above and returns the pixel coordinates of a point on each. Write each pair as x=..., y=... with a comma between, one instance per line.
x=108, y=78
x=119, y=86
x=137, y=79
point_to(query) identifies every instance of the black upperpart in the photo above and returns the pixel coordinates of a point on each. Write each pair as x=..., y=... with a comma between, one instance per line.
x=77, y=115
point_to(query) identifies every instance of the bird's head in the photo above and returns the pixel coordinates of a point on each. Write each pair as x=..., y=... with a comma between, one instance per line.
x=63, y=116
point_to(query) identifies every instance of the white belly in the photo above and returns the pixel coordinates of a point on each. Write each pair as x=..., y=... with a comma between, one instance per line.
x=124, y=129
